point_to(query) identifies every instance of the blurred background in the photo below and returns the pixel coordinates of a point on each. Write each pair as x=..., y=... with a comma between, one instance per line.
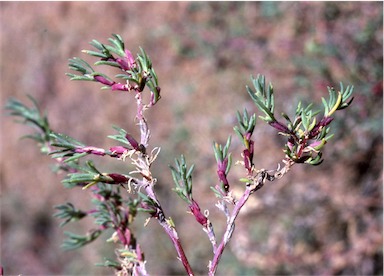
x=324, y=220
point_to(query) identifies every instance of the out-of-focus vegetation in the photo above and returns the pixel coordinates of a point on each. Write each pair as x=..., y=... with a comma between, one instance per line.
x=323, y=220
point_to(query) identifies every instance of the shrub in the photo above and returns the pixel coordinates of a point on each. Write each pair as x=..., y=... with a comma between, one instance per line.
x=119, y=198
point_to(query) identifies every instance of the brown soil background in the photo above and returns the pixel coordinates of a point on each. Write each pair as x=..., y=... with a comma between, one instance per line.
x=317, y=220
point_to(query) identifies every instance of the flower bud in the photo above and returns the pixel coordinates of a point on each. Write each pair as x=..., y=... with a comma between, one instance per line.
x=127, y=236
x=200, y=218
x=279, y=126
x=326, y=121
x=103, y=80
x=318, y=145
x=123, y=64
x=119, y=86
x=117, y=178
x=130, y=59
x=319, y=126
x=118, y=150
x=132, y=141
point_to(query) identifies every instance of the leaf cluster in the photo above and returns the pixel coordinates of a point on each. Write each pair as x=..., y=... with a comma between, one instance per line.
x=137, y=72
x=182, y=177
x=222, y=154
x=33, y=117
x=246, y=125
x=306, y=133
x=263, y=97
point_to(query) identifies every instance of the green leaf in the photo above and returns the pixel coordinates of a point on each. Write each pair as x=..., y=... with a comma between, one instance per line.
x=217, y=193
x=115, y=50
x=259, y=99
x=95, y=54
x=76, y=241
x=121, y=136
x=80, y=78
x=75, y=157
x=226, y=147
x=109, y=63
x=118, y=43
x=315, y=161
x=229, y=164
x=110, y=263
x=97, y=45
x=80, y=65
x=31, y=116
x=189, y=173
x=68, y=213
x=218, y=152
x=182, y=177
x=65, y=141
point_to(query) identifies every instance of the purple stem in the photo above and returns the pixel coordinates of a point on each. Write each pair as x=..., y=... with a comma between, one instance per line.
x=169, y=229
x=171, y=232
x=228, y=232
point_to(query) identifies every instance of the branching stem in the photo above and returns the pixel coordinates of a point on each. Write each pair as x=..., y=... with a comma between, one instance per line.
x=229, y=230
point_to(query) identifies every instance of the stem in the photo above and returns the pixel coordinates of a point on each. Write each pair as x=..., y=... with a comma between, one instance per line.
x=229, y=231
x=172, y=233
x=169, y=229
x=144, y=131
x=211, y=235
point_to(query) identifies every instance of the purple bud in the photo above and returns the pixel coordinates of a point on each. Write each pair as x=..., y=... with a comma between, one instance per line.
x=128, y=236
x=289, y=145
x=247, y=159
x=119, y=86
x=123, y=64
x=222, y=176
x=121, y=236
x=103, y=80
x=319, y=126
x=132, y=141
x=222, y=165
x=117, y=178
x=279, y=126
x=223, y=179
x=130, y=59
x=318, y=145
x=200, y=218
x=251, y=146
x=118, y=150
x=326, y=121
x=248, y=136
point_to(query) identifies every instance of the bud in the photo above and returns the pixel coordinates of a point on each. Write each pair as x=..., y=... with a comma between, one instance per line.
x=117, y=178
x=221, y=169
x=318, y=145
x=121, y=236
x=279, y=126
x=319, y=126
x=103, y=80
x=118, y=150
x=200, y=218
x=123, y=64
x=130, y=59
x=326, y=121
x=132, y=141
x=119, y=86
x=247, y=159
